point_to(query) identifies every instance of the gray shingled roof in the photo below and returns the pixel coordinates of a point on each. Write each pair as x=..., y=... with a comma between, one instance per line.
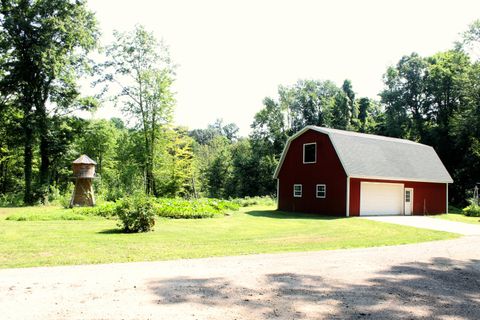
x=372, y=156
x=84, y=159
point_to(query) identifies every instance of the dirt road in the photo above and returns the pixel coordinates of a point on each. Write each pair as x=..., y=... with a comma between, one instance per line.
x=436, y=280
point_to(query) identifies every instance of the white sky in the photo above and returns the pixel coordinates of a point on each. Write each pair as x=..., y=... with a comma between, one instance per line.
x=232, y=54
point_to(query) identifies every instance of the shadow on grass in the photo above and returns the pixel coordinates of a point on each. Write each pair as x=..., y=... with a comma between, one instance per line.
x=289, y=215
x=112, y=231
x=441, y=288
x=454, y=210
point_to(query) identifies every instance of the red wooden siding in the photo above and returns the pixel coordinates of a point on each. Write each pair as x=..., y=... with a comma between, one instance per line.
x=428, y=198
x=327, y=170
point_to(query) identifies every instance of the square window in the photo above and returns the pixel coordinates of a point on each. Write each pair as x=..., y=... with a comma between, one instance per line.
x=297, y=190
x=310, y=152
x=321, y=191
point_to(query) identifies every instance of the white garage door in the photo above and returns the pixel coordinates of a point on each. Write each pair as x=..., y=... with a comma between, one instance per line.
x=381, y=199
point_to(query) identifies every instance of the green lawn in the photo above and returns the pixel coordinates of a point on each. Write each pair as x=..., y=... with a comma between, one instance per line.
x=459, y=218
x=253, y=230
x=455, y=214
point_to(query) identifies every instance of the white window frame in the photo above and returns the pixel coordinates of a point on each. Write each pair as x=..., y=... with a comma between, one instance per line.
x=306, y=144
x=324, y=191
x=295, y=193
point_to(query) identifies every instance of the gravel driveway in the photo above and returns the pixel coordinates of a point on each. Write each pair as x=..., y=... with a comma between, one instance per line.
x=438, y=280
x=430, y=223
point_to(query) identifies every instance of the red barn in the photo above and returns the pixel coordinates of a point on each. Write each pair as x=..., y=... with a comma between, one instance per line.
x=336, y=172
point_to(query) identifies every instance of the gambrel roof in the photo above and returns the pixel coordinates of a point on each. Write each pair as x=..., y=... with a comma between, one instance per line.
x=377, y=157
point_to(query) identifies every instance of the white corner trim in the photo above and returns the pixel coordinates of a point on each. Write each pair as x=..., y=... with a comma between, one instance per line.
x=348, y=197
x=446, y=208
x=278, y=192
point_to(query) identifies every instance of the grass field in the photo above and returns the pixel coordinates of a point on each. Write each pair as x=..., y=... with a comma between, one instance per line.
x=62, y=241
x=459, y=218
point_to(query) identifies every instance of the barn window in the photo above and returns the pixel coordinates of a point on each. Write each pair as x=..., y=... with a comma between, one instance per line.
x=321, y=191
x=297, y=190
x=310, y=152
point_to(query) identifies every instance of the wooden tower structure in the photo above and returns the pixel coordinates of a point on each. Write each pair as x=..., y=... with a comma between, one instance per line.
x=83, y=175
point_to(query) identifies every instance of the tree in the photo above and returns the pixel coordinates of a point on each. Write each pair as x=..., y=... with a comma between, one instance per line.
x=370, y=116
x=269, y=130
x=347, y=88
x=470, y=41
x=309, y=102
x=407, y=106
x=141, y=72
x=175, y=170
x=341, y=111
x=363, y=107
x=10, y=156
x=464, y=134
x=218, y=169
x=45, y=45
x=98, y=140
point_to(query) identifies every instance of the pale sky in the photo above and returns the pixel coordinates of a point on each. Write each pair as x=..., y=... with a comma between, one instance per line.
x=232, y=54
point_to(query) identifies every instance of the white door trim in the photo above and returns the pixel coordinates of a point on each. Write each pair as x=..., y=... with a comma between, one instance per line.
x=405, y=201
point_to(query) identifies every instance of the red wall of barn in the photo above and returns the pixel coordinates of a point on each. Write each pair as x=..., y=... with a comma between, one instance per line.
x=327, y=170
x=428, y=198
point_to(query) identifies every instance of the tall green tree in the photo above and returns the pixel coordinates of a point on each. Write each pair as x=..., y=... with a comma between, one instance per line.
x=309, y=102
x=217, y=170
x=347, y=88
x=10, y=155
x=341, y=116
x=470, y=40
x=363, y=107
x=45, y=45
x=141, y=74
x=269, y=128
x=99, y=140
x=407, y=106
x=175, y=169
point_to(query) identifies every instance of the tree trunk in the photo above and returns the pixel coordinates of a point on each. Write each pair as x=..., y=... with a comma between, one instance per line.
x=44, y=173
x=27, y=159
x=3, y=176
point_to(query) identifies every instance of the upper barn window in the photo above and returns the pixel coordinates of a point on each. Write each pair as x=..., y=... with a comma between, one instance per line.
x=310, y=152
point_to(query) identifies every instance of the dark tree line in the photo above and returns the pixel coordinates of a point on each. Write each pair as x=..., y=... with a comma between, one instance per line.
x=43, y=47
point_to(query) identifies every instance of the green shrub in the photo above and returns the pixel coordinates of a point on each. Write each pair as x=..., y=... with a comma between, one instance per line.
x=192, y=209
x=11, y=199
x=473, y=210
x=136, y=213
x=255, y=201
x=45, y=216
x=106, y=210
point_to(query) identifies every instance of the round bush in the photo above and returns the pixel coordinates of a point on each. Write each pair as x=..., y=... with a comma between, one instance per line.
x=136, y=214
x=472, y=210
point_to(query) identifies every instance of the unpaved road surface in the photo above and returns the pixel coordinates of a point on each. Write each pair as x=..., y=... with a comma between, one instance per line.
x=435, y=280
x=431, y=223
